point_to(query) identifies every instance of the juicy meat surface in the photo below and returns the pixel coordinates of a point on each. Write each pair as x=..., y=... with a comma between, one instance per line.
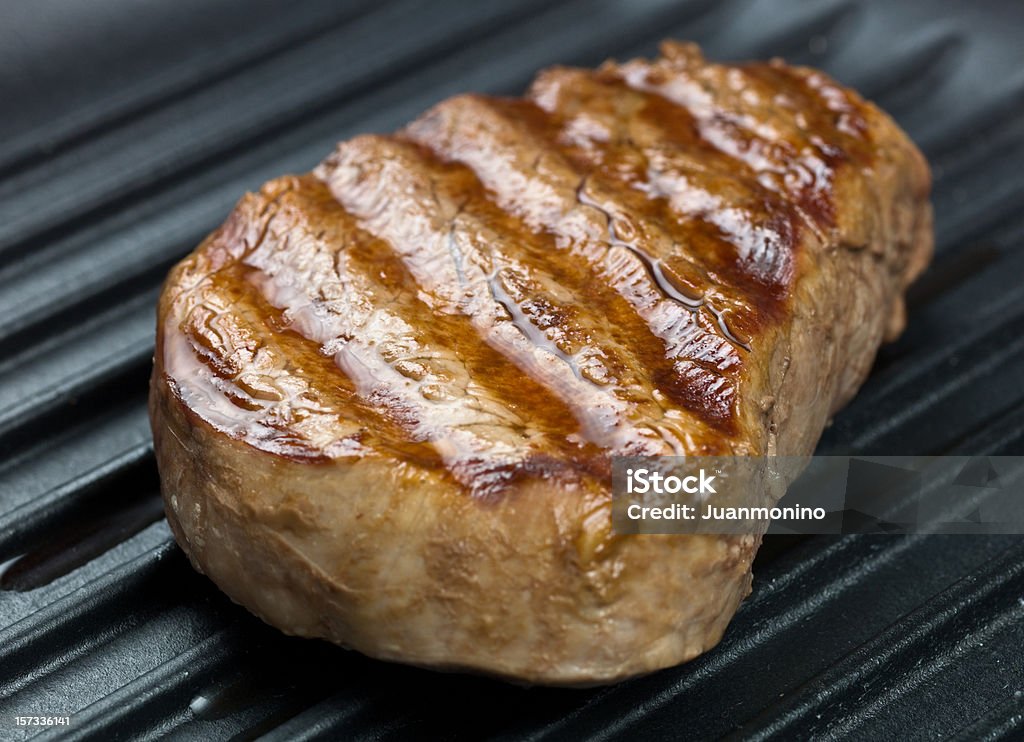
x=386, y=393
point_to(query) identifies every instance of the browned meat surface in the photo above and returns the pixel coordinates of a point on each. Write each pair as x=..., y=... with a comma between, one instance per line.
x=386, y=393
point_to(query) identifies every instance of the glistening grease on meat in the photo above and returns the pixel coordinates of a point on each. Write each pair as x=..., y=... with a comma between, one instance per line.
x=386, y=394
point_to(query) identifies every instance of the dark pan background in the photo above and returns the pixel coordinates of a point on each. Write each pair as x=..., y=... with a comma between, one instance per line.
x=128, y=130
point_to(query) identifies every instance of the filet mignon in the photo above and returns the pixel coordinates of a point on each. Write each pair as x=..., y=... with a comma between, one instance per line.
x=386, y=393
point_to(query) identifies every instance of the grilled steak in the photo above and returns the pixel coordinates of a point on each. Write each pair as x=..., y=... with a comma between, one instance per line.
x=386, y=393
